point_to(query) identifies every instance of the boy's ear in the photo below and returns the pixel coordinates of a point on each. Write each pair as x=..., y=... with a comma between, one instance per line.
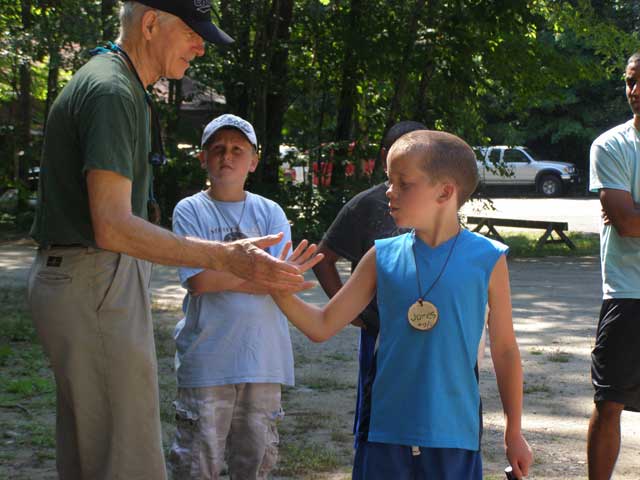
x=447, y=192
x=203, y=160
x=254, y=162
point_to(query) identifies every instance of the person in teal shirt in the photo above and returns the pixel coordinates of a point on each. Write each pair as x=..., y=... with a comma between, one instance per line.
x=615, y=175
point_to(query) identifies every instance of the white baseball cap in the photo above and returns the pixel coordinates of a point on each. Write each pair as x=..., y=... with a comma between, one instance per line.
x=229, y=121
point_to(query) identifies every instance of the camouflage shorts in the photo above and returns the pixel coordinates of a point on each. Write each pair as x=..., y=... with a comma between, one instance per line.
x=237, y=419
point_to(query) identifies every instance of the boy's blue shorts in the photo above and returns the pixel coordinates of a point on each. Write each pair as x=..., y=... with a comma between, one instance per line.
x=385, y=461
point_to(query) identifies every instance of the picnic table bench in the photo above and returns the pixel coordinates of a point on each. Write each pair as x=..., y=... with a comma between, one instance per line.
x=549, y=228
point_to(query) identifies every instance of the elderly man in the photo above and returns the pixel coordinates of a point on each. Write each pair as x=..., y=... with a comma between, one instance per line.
x=88, y=288
x=615, y=175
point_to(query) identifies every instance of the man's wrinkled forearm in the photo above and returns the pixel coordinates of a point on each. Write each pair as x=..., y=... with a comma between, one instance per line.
x=138, y=238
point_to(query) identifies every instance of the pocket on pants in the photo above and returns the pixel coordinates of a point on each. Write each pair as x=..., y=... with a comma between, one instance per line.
x=185, y=451
x=271, y=445
x=108, y=276
x=53, y=278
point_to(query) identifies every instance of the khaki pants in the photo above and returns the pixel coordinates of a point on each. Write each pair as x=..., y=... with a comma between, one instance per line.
x=92, y=312
x=239, y=419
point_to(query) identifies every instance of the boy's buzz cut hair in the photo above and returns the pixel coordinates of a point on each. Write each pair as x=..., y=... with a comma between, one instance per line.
x=442, y=156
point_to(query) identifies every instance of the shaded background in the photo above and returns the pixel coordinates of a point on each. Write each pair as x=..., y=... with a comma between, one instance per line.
x=329, y=77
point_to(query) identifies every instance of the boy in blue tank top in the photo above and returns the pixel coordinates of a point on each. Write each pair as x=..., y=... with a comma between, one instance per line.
x=433, y=286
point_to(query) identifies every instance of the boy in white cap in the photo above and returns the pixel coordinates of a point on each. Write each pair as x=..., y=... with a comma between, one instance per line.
x=233, y=350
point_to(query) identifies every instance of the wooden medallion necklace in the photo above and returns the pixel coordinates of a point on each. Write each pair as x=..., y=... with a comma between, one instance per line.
x=423, y=315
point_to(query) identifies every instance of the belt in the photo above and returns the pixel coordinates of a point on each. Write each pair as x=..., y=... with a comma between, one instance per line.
x=67, y=245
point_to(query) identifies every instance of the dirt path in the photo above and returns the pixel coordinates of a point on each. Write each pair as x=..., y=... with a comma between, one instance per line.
x=555, y=305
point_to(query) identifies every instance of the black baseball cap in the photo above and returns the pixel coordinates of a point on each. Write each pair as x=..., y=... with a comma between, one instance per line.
x=196, y=14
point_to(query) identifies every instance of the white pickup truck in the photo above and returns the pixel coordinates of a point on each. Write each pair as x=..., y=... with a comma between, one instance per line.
x=503, y=165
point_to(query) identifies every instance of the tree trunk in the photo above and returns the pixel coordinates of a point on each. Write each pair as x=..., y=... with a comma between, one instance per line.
x=255, y=83
x=348, y=88
x=52, y=83
x=178, y=95
x=174, y=99
x=321, y=114
x=259, y=79
x=24, y=92
x=420, y=111
x=236, y=17
x=25, y=103
x=276, y=100
x=402, y=72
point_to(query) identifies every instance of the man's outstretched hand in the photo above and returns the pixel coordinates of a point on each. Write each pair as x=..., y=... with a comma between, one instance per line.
x=247, y=259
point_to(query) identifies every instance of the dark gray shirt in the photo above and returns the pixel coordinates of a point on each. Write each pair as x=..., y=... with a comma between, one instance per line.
x=364, y=219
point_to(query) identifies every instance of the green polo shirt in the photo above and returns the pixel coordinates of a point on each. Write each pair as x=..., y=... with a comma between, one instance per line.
x=99, y=121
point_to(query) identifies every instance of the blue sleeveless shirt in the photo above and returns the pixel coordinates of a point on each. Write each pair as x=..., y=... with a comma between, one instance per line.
x=425, y=391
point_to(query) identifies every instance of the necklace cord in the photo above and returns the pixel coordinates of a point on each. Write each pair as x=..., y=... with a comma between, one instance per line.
x=219, y=210
x=415, y=259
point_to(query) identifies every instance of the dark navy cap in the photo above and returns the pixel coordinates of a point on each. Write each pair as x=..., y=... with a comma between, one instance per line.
x=196, y=14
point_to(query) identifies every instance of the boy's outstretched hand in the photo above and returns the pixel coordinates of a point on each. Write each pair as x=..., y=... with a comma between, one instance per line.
x=519, y=454
x=303, y=258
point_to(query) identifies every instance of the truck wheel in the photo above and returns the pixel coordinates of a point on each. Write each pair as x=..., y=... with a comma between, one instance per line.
x=550, y=186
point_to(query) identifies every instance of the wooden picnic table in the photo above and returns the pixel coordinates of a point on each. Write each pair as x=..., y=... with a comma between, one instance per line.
x=549, y=228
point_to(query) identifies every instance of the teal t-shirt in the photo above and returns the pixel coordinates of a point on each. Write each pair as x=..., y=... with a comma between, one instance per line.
x=615, y=163
x=99, y=121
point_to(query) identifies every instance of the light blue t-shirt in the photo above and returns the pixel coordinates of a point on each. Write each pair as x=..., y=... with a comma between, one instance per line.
x=425, y=391
x=615, y=164
x=231, y=337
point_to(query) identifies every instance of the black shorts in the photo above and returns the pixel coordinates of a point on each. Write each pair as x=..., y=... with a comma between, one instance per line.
x=615, y=359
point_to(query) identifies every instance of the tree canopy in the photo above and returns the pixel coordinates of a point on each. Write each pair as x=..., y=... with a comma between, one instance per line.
x=322, y=74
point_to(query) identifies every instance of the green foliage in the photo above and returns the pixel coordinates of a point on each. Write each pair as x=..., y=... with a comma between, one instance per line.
x=559, y=356
x=338, y=170
x=298, y=460
x=533, y=388
x=585, y=53
x=28, y=386
x=180, y=177
x=17, y=329
x=44, y=37
x=5, y=354
x=541, y=73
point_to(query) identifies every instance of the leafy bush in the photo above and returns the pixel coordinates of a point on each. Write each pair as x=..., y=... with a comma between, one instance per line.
x=336, y=172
